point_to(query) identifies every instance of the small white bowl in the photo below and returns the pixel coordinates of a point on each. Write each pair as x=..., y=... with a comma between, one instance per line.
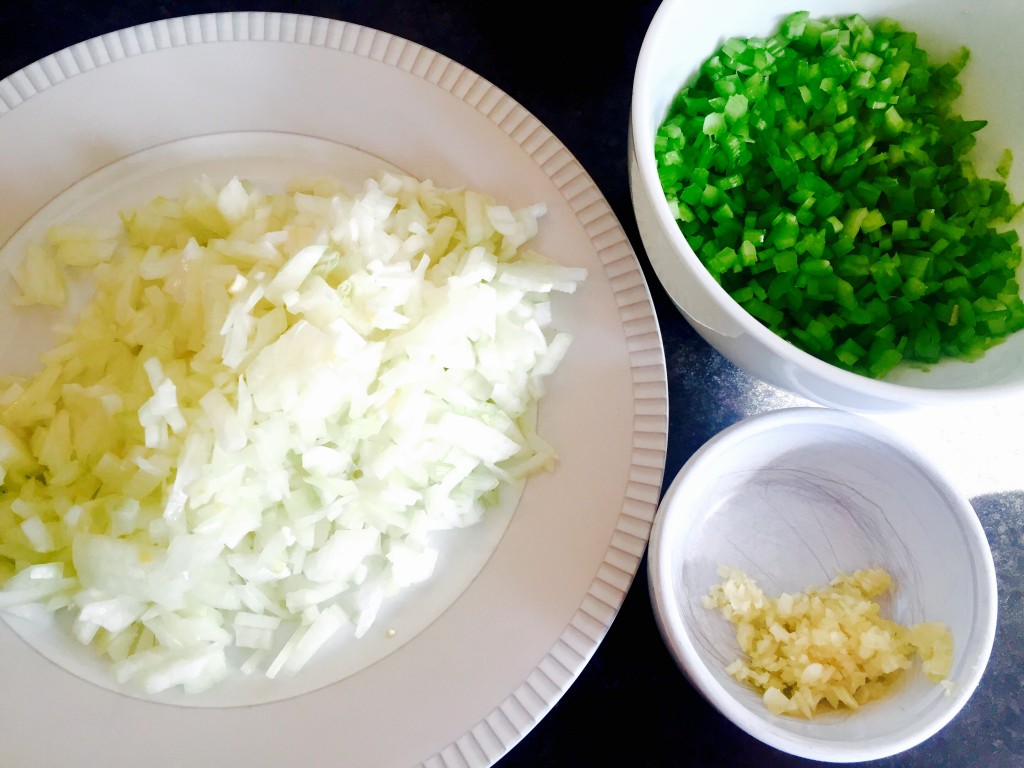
x=793, y=498
x=682, y=34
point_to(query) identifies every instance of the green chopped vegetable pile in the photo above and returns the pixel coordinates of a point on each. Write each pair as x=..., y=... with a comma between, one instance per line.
x=823, y=177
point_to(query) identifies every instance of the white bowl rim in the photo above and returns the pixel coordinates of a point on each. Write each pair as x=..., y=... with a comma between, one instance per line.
x=676, y=634
x=641, y=137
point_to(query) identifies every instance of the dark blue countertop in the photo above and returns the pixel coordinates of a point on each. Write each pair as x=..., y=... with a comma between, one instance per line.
x=572, y=68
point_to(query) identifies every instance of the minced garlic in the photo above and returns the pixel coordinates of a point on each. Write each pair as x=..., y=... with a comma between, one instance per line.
x=827, y=646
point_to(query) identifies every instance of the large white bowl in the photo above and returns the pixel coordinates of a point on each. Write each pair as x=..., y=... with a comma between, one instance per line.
x=794, y=497
x=681, y=36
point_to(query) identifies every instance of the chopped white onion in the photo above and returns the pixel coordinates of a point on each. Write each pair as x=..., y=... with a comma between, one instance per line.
x=271, y=401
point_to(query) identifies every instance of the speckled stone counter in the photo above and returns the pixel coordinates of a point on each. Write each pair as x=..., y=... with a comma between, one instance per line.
x=572, y=68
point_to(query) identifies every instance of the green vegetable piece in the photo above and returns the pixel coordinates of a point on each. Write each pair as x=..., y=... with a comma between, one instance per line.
x=1005, y=164
x=714, y=123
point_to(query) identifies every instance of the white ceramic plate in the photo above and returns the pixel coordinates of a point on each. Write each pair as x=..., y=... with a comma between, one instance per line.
x=487, y=648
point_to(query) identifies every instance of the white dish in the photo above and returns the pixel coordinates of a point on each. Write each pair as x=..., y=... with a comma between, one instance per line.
x=681, y=36
x=483, y=652
x=793, y=498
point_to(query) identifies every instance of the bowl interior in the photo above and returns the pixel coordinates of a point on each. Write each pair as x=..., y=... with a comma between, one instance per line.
x=684, y=33
x=794, y=498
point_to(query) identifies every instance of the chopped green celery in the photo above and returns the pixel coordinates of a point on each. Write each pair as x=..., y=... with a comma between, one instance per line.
x=786, y=231
x=845, y=297
x=765, y=262
x=872, y=222
x=744, y=294
x=900, y=229
x=735, y=107
x=915, y=266
x=785, y=261
x=670, y=175
x=849, y=352
x=730, y=182
x=792, y=27
x=748, y=253
x=820, y=333
x=711, y=196
x=882, y=360
x=853, y=222
x=1005, y=164
x=782, y=285
x=894, y=121
x=825, y=174
x=692, y=193
x=868, y=194
x=812, y=245
x=724, y=260
x=914, y=288
x=714, y=123
x=764, y=312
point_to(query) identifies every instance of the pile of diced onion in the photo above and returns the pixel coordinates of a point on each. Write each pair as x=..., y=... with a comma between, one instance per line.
x=243, y=442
